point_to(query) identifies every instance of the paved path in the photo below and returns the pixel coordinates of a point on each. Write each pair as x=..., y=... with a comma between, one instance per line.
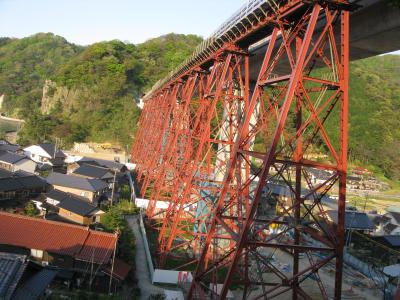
x=142, y=269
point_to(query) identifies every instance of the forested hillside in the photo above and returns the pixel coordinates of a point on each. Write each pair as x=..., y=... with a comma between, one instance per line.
x=26, y=63
x=100, y=82
x=374, y=113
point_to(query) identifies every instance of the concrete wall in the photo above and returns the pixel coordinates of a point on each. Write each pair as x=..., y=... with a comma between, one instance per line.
x=26, y=165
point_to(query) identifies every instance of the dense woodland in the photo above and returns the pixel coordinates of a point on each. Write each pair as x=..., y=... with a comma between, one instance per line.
x=111, y=75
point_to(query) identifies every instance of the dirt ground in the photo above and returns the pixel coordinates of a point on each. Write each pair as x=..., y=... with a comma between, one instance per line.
x=364, y=291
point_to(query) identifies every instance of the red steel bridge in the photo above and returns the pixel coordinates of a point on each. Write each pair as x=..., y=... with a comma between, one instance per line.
x=259, y=105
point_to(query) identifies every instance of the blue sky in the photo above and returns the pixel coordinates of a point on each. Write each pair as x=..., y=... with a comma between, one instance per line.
x=87, y=21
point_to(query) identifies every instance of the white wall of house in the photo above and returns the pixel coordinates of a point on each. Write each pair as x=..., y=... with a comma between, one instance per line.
x=37, y=154
x=37, y=253
x=52, y=201
x=26, y=165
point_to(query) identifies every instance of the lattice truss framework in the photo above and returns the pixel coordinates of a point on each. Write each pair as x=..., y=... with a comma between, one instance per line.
x=212, y=147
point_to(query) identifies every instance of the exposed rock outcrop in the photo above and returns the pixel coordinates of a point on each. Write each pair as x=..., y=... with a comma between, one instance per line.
x=54, y=96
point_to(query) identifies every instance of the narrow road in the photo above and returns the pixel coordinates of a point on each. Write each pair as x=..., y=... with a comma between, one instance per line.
x=142, y=269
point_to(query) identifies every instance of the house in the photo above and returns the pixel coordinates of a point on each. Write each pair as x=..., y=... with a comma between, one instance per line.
x=46, y=154
x=35, y=287
x=384, y=225
x=319, y=176
x=74, y=208
x=20, y=185
x=91, y=189
x=113, y=166
x=12, y=268
x=354, y=220
x=394, y=217
x=120, y=270
x=94, y=172
x=391, y=241
x=6, y=146
x=69, y=247
x=14, y=162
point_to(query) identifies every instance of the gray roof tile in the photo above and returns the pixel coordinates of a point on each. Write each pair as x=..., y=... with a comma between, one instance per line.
x=36, y=285
x=73, y=203
x=86, y=184
x=50, y=149
x=11, y=158
x=353, y=220
x=12, y=267
x=93, y=171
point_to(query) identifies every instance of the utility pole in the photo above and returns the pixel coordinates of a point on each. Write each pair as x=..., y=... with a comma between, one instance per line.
x=112, y=265
x=113, y=187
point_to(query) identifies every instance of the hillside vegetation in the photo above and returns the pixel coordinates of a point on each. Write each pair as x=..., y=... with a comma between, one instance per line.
x=101, y=82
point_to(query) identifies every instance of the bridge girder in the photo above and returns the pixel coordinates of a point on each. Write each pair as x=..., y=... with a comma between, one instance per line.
x=196, y=149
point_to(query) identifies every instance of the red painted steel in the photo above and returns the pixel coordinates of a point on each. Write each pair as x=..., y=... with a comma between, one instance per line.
x=237, y=174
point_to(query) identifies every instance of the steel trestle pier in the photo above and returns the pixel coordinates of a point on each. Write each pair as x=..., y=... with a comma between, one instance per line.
x=213, y=146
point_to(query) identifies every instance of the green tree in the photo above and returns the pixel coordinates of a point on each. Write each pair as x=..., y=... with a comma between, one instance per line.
x=30, y=209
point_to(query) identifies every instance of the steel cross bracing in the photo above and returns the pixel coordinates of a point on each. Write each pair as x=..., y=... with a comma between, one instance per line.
x=214, y=147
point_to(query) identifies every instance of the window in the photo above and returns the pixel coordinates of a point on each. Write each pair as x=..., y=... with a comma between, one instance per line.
x=37, y=253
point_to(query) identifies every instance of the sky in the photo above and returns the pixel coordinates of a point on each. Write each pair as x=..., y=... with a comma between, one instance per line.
x=87, y=21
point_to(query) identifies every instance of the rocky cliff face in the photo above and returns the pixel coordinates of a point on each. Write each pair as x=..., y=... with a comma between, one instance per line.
x=58, y=96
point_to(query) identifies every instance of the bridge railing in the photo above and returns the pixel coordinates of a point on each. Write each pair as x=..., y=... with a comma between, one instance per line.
x=241, y=13
x=223, y=34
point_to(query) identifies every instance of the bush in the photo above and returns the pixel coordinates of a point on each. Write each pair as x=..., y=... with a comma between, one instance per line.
x=30, y=209
x=112, y=221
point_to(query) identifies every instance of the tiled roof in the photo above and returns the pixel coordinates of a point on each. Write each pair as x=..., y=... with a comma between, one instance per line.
x=96, y=247
x=5, y=173
x=76, y=182
x=353, y=220
x=20, y=180
x=11, y=158
x=36, y=285
x=121, y=269
x=32, y=181
x=50, y=149
x=10, y=184
x=73, y=203
x=389, y=227
x=394, y=215
x=93, y=171
x=56, y=237
x=378, y=219
x=101, y=162
x=9, y=147
x=12, y=267
x=393, y=240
